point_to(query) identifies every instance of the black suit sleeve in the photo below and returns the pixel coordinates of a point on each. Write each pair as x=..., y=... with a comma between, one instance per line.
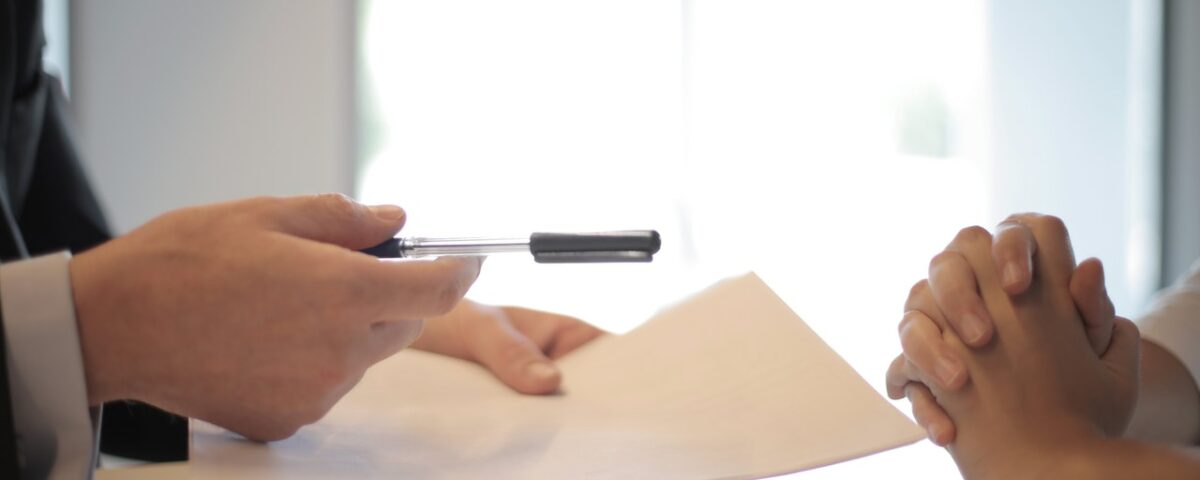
x=9, y=238
x=48, y=205
x=59, y=210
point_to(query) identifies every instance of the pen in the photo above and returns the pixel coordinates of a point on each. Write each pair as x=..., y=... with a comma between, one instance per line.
x=599, y=247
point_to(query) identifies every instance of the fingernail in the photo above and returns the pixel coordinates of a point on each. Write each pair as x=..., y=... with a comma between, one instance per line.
x=389, y=213
x=972, y=328
x=1012, y=274
x=541, y=371
x=947, y=371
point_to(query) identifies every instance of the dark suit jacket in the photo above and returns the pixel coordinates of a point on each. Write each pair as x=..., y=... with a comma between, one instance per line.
x=47, y=205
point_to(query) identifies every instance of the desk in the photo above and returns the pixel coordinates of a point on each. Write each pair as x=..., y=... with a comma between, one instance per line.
x=729, y=383
x=898, y=464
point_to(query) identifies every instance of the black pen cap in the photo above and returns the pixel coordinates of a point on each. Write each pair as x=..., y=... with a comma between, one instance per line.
x=643, y=241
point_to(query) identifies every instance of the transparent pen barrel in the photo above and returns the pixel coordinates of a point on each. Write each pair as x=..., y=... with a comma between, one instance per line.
x=441, y=247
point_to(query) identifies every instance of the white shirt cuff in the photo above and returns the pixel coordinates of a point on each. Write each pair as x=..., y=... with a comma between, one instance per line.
x=1174, y=322
x=56, y=437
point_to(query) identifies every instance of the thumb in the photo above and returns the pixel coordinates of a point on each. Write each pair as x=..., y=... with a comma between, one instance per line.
x=337, y=219
x=1123, y=353
x=1123, y=360
x=512, y=357
x=1091, y=300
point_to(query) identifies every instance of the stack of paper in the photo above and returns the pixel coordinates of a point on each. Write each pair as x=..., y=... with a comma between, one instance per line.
x=727, y=384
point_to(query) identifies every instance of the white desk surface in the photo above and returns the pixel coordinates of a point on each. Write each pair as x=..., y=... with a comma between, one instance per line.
x=789, y=403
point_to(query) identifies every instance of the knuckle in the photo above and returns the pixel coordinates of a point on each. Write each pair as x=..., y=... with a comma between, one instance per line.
x=942, y=259
x=261, y=210
x=911, y=345
x=920, y=347
x=949, y=275
x=1051, y=225
x=262, y=205
x=972, y=235
x=919, y=288
x=920, y=297
x=910, y=325
x=905, y=323
x=339, y=205
x=1020, y=218
x=1011, y=239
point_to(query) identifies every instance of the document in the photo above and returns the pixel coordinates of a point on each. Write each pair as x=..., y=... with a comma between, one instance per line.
x=729, y=383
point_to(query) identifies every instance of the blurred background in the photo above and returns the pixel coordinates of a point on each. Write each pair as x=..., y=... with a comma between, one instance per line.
x=832, y=147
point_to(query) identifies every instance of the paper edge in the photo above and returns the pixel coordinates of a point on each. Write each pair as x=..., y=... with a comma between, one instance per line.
x=832, y=461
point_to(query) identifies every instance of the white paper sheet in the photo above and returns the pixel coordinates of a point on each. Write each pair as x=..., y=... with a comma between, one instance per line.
x=727, y=384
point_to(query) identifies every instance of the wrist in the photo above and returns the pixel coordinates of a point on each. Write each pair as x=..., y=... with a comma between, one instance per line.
x=1078, y=460
x=1024, y=452
x=99, y=340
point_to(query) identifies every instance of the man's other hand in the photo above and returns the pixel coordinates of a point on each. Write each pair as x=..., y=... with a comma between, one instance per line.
x=517, y=345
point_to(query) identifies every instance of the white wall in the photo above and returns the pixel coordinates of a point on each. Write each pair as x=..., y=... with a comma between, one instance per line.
x=182, y=102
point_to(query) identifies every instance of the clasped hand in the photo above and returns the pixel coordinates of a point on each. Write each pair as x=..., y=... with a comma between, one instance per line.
x=1011, y=349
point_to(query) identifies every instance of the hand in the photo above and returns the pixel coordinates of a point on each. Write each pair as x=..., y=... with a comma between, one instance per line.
x=255, y=315
x=1014, y=252
x=950, y=299
x=516, y=344
x=1039, y=387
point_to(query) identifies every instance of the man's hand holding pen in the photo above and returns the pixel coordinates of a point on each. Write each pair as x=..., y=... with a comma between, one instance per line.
x=266, y=314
